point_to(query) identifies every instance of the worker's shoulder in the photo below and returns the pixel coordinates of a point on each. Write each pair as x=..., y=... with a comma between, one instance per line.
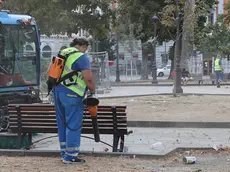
x=82, y=62
x=70, y=50
x=84, y=58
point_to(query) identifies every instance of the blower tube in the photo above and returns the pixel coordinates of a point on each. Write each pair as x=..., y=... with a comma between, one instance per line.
x=91, y=102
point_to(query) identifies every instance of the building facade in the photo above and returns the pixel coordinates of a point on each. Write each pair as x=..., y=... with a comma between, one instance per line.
x=51, y=45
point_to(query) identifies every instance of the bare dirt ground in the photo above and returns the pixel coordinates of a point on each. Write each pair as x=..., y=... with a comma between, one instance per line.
x=168, y=108
x=211, y=161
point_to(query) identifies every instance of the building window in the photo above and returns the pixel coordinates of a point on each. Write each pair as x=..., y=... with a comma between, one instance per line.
x=46, y=52
x=63, y=47
x=121, y=56
x=29, y=48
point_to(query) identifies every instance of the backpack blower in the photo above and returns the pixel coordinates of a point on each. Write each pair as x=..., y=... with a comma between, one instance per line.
x=55, y=70
x=91, y=102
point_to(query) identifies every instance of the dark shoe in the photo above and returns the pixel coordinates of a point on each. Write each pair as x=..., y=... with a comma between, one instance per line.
x=72, y=160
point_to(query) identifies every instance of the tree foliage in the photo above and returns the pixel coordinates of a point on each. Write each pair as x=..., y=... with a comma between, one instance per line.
x=140, y=15
x=59, y=16
x=202, y=9
x=214, y=38
x=197, y=19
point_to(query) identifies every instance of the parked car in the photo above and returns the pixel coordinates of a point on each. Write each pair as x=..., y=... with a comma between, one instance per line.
x=165, y=71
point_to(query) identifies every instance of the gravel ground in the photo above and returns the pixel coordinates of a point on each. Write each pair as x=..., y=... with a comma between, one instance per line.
x=168, y=108
x=211, y=161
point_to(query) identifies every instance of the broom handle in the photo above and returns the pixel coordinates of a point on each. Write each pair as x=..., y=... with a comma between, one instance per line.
x=95, y=129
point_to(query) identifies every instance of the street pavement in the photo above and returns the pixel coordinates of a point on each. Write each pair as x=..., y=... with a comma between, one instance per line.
x=136, y=78
x=142, y=140
x=146, y=90
x=123, y=91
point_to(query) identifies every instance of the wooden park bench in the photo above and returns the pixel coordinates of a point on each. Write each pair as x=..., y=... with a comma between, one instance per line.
x=195, y=77
x=27, y=119
x=198, y=78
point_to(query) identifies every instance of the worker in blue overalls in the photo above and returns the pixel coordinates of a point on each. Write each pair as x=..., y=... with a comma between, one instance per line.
x=68, y=97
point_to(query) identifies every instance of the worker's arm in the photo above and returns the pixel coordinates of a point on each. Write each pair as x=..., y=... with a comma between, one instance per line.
x=88, y=78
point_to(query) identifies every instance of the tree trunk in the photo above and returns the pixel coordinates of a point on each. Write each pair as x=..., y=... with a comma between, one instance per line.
x=171, y=57
x=188, y=33
x=172, y=68
x=144, y=64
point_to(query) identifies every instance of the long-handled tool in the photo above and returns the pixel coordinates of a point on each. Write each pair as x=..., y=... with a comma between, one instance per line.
x=91, y=102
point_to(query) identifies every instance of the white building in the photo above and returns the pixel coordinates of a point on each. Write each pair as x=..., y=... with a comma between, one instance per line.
x=51, y=45
x=54, y=43
x=218, y=10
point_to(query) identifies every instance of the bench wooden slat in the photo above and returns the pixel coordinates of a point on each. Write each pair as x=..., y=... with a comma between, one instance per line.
x=52, y=110
x=55, y=127
x=54, y=120
x=48, y=117
x=55, y=124
x=53, y=113
x=36, y=107
x=54, y=130
x=54, y=116
x=107, y=127
x=50, y=105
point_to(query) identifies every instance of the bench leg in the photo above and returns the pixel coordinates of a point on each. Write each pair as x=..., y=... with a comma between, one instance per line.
x=29, y=140
x=122, y=142
x=200, y=82
x=20, y=140
x=115, y=142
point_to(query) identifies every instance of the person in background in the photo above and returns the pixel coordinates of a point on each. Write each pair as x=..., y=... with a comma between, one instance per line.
x=185, y=76
x=218, y=70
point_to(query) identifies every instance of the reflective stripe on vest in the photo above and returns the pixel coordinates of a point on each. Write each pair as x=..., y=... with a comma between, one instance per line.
x=80, y=85
x=217, y=66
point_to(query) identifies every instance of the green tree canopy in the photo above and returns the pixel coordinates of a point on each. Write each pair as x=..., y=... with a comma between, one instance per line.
x=214, y=38
x=59, y=16
x=140, y=12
